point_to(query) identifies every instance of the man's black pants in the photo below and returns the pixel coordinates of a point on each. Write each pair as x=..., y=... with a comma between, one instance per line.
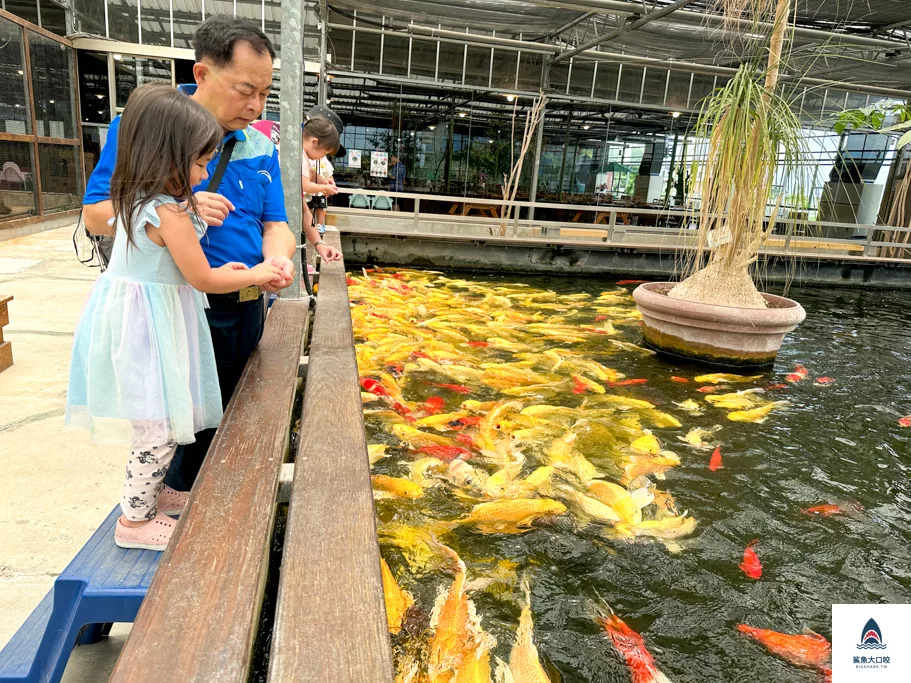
x=236, y=330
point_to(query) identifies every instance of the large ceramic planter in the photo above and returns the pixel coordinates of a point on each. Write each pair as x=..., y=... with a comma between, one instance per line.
x=718, y=335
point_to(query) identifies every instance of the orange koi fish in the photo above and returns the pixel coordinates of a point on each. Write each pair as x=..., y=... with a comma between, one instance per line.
x=479, y=343
x=446, y=453
x=826, y=510
x=800, y=374
x=434, y=405
x=458, y=388
x=773, y=387
x=708, y=390
x=715, y=462
x=632, y=647
x=821, y=381
x=680, y=380
x=804, y=649
x=751, y=566
x=628, y=382
x=905, y=421
x=630, y=282
x=600, y=318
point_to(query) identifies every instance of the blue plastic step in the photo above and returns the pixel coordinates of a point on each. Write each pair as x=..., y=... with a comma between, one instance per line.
x=103, y=584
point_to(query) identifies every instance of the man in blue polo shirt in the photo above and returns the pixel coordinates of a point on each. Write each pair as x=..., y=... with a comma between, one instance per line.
x=246, y=217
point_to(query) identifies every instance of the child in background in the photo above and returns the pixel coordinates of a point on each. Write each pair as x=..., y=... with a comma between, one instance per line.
x=317, y=203
x=143, y=367
x=320, y=138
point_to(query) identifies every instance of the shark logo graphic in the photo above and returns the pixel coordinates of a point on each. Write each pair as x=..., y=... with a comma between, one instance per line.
x=871, y=637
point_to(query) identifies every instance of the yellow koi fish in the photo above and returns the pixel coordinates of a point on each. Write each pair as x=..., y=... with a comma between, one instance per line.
x=416, y=438
x=376, y=452
x=757, y=414
x=524, y=662
x=398, y=601
x=394, y=487
x=513, y=516
x=697, y=436
x=725, y=378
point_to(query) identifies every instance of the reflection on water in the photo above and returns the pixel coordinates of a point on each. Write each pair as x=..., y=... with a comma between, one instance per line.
x=838, y=443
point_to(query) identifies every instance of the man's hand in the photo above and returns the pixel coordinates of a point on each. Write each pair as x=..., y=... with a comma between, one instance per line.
x=287, y=274
x=212, y=208
x=328, y=254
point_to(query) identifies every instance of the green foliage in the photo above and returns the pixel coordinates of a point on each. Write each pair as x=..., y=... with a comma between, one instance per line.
x=872, y=118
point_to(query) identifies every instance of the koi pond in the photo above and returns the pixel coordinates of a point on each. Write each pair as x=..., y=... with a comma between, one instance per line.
x=555, y=502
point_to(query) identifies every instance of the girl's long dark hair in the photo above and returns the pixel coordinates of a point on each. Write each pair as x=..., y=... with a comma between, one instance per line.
x=162, y=132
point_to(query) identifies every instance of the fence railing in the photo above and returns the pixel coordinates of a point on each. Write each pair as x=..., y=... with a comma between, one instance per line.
x=617, y=225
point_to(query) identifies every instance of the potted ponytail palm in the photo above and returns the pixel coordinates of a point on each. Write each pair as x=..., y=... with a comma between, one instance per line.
x=716, y=314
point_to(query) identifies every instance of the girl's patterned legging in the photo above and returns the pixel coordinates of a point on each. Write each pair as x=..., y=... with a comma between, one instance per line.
x=145, y=481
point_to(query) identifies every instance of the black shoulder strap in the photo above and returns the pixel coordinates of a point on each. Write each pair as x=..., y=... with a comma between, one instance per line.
x=223, y=160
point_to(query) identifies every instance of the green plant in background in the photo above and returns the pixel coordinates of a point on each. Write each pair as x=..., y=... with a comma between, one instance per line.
x=873, y=118
x=753, y=136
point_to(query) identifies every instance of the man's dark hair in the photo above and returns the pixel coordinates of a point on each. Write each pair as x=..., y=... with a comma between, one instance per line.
x=216, y=36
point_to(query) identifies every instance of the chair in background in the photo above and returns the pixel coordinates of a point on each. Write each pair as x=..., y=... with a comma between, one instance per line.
x=382, y=202
x=358, y=201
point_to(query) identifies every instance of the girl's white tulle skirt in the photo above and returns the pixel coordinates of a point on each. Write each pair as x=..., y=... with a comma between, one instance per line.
x=143, y=368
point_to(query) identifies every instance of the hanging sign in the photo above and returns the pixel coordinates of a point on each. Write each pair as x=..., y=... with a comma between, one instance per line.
x=354, y=158
x=379, y=164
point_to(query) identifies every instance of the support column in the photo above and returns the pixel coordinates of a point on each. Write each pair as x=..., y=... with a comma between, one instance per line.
x=539, y=145
x=323, y=30
x=291, y=105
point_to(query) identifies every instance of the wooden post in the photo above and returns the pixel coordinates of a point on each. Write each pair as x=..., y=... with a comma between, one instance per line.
x=6, y=348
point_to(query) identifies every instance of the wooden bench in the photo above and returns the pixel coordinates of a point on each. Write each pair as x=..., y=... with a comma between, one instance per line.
x=778, y=242
x=6, y=348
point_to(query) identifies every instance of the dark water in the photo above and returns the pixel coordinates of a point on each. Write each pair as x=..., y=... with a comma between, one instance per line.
x=839, y=443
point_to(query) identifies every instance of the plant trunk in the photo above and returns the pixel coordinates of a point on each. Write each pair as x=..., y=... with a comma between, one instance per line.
x=726, y=280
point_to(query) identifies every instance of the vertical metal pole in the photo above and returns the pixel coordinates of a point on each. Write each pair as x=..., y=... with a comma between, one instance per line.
x=36, y=174
x=447, y=169
x=539, y=145
x=569, y=118
x=291, y=104
x=107, y=30
x=323, y=30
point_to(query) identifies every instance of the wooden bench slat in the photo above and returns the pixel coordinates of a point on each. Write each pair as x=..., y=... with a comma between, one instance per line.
x=200, y=617
x=330, y=620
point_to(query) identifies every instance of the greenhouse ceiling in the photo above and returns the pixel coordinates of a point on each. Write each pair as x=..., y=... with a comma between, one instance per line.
x=862, y=42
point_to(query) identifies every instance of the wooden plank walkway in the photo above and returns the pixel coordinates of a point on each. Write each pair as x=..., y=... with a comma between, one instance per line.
x=330, y=622
x=200, y=617
x=6, y=348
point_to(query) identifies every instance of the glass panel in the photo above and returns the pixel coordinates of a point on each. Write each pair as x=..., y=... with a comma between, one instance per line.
x=14, y=111
x=155, y=71
x=273, y=20
x=559, y=73
x=123, y=20
x=17, y=187
x=423, y=58
x=92, y=138
x=530, y=72
x=677, y=90
x=89, y=16
x=606, y=80
x=630, y=83
x=156, y=23
x=93, y=91
x=183, y=71
x=24, y=9
x=339, y=45
x=856, y=101
x=367, y=52
x=395, y=55
x=53, y=17
x=702, y=87
x=55, y=96
x=477, y=66
x=185, y=22
x=126, y=78
x=61, y=176
x=655, y=82
x=581, y=79
x=504, y=69
x=451, y=59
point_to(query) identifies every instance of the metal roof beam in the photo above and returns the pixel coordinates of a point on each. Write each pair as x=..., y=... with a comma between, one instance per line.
x=632, y=26
x=629, y=7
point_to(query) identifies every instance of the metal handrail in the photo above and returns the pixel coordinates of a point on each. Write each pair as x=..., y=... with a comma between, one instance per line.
x=864, y=242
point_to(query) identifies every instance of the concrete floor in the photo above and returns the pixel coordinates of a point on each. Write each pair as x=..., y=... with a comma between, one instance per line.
x=58, y=485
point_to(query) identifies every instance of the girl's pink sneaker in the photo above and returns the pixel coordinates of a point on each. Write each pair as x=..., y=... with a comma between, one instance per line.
x=152, y=536
x=172, y=502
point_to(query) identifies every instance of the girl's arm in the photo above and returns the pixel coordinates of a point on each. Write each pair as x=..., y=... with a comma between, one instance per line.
x=179, y=236
x=315, y=186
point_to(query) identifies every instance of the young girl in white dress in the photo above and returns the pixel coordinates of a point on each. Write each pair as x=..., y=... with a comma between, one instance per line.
x=143, y=368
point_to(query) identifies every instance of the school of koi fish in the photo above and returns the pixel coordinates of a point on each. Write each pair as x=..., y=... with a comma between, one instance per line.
x=493, y=409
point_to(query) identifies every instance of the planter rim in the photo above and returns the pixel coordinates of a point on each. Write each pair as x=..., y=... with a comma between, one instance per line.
x=785, y=312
